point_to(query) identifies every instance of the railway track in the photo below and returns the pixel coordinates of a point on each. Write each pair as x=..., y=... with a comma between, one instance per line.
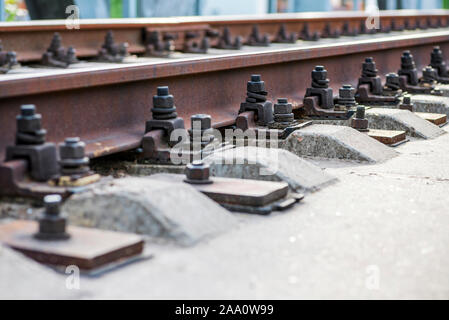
x=30, y=40
x=105, y=88
x=123, y=87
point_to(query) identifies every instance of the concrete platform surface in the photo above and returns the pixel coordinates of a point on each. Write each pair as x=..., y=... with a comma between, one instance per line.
x=22, y=278
x=380, y=233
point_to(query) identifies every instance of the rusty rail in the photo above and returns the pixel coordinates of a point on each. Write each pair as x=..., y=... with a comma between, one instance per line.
x=108, y=106
x=30, y=39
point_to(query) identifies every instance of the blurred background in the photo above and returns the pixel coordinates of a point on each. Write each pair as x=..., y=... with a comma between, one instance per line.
x=19, y=10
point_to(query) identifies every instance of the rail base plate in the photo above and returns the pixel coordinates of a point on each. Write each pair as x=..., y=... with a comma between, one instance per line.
x=244, y=195
x=87, y=249
x=389, y=137
x=435, y=118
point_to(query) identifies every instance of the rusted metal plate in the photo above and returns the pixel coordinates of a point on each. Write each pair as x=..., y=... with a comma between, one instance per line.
x=388, y=137
x=108, y=108
x=235, y=191
x=87, y=248
x=244, y=192
x=436, y=118
x=15, y=182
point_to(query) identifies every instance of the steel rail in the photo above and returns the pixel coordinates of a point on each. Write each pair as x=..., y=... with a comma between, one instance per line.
x=108, y=107
x=30, y=39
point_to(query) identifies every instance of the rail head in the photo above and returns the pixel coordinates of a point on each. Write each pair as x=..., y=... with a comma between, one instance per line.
x=92, y=76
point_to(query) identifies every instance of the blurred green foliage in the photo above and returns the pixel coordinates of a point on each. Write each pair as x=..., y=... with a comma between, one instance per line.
x=445, y=4
x=116, y=8
x=11, y=9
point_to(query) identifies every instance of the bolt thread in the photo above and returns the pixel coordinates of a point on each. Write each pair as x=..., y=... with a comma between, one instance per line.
x=360, y=113
x=52, y=204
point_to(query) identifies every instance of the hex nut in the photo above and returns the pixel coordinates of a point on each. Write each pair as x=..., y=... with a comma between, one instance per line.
x=197, y=172
x=283, y=108
x=319, y=73
x=29, y=124
x=407, y=100
x=11, y=57
x=359, y=124
x=392, y=79
x=369, y=65
x=163, y=101
x=52, y=224
x=429, y=73
x=406, y=103
x=201, y=121
x=72, y=149
x=347, y=92
x=255, y=86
